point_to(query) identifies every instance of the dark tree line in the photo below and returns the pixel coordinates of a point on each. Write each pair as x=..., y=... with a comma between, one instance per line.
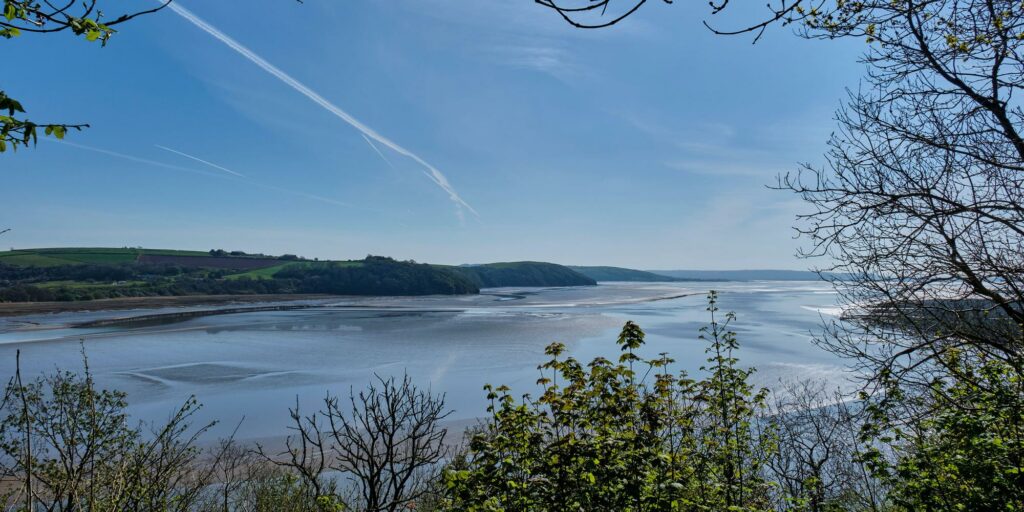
x=376, y=275
x=373, y=276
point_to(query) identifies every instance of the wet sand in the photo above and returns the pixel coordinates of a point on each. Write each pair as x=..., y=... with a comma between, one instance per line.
x=32, y=308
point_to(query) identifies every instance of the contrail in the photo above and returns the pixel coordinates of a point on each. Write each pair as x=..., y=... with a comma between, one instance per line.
x=132, y=158
x=200, y=160
x=204, y=173
x=435, y=175
x=374, y=146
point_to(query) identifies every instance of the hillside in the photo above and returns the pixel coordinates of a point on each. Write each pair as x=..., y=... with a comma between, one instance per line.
x=523, y=273
x=377, y=276
x=54, y=257
x=601, y=274
x=75, y=274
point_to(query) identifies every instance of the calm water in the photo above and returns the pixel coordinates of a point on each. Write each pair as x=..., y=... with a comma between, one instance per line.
x=254, y=365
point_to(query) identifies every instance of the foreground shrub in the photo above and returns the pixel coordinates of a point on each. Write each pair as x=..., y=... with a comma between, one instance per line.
x=623, y=436
x=72, y=448
x=958, y=446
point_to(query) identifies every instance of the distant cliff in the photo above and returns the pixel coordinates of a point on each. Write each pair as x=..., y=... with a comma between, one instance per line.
x=523, y=273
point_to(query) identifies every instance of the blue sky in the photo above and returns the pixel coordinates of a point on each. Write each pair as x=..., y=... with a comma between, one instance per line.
x=648, y=144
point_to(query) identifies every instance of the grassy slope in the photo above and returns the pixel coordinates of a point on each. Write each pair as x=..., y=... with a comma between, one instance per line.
x=494, y=274
x=50, y=257
x=268, y=272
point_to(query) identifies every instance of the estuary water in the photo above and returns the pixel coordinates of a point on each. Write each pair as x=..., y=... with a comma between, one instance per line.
x=249, y=368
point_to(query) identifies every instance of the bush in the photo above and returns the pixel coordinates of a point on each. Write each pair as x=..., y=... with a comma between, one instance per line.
x=74, y=448
x=625, y=436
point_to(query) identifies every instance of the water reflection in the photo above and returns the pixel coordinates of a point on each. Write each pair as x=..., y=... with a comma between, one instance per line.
x=256, y=364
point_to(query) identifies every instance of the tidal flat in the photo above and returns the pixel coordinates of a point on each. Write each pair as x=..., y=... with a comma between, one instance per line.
x=248, y=368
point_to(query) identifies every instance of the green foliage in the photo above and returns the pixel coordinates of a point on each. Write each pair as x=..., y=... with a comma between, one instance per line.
x=958, y=447
x=81, y=274
x=286, y=492
x=30, y=15
x=14, y=131
x=730, y=404
x=18, y=17
x=73, y=447
x=376, y=275
x=623, y=436
x=51, y=274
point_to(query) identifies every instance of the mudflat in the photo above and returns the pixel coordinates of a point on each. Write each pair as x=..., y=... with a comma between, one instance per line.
x=31, y=308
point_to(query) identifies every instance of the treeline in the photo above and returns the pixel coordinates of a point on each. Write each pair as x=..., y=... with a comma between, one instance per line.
x=89, y=272
x=523, y=273
x=162, y=288
x=630, y=435
x=89, y=282
x=376, y=275
x=221, y=253
x=373, y=276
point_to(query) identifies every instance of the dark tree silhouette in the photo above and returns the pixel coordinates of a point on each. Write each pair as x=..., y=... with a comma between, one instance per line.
x=605, y=13
x=593, y=13
x=387, y=440
x=920, y=208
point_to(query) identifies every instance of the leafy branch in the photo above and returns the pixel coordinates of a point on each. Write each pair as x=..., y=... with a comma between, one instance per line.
x=15, y=132
x=83, y=19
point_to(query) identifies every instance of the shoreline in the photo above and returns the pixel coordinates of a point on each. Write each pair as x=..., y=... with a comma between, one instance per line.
x=8, y=309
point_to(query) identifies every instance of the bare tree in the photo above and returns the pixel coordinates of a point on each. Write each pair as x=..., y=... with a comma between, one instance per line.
x=919, y=214
x=592, y=14
x=243, y=480
x=814, y=463
x=386, y=440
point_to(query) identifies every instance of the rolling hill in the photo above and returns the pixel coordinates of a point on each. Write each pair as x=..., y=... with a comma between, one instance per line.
x=523, y=273
x=86, y=273
x=601, y=274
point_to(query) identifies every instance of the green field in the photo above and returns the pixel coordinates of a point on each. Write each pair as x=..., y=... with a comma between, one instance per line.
x=268, y=272
x=89, y=286
x=52, y=257
x=261, y=273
